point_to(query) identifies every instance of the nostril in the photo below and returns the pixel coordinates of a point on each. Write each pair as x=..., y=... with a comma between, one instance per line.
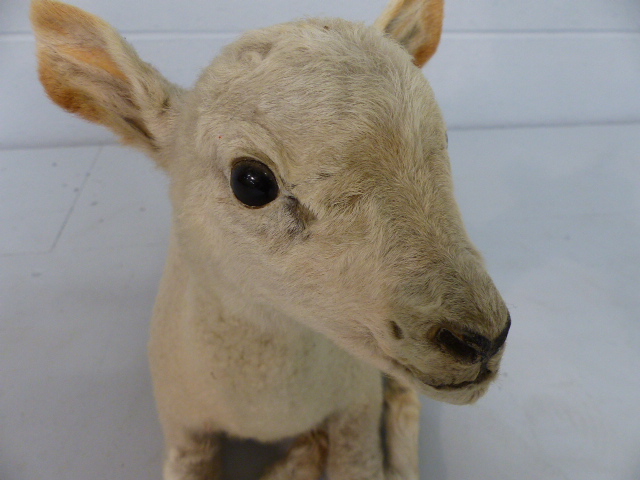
x=397, y=331
x=456, y=346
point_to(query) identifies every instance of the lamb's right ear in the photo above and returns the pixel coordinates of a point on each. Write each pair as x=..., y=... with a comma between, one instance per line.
x=87, y=68
x=416, y=24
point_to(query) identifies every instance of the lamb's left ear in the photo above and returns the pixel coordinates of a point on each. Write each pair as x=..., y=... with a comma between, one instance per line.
x=87, y=68
x=416, y=24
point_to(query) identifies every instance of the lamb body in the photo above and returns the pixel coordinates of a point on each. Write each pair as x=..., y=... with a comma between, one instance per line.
x=280, y=321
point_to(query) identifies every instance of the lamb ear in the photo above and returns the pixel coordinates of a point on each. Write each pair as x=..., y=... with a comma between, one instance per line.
x=87, y=68
x=416, y=24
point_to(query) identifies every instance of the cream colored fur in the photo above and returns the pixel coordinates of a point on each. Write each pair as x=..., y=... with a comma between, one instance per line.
x=276, y=322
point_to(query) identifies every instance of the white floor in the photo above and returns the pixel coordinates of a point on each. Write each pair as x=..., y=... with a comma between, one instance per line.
x=83, y=233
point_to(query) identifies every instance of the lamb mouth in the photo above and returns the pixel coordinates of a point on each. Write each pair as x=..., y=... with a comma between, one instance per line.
x=484, y=375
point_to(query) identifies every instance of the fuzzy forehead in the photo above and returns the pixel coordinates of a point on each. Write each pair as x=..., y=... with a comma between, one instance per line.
x=327, y=91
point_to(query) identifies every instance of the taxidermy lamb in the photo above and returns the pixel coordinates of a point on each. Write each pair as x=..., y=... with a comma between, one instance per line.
x=319, y=272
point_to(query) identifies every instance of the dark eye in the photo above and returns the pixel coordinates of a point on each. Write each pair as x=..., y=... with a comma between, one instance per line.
x=253, y=183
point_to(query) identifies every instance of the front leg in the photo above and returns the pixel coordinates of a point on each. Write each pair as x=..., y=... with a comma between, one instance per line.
x=305, y=460
x=192, y=457
x=355, y=444
x=402, y=424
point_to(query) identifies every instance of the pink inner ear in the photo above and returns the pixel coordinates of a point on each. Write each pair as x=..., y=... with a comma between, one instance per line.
x=431, y=18
x=64, y=21
x=416, y=24
x=72, y=32
x=64, y=95
x=94, y=57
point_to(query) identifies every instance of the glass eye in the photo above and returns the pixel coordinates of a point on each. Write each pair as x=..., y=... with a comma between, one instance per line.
x=253, y=183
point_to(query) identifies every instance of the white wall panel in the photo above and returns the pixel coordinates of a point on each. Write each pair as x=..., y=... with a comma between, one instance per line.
x=536, y=79
x=480, y=80
x=199, y=15
x=542, y=15
x=226, y=16
x=501, y=62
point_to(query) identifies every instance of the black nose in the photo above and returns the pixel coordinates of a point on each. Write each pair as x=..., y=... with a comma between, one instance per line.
x=465, y=347
x=469, y=346
x=499, y=341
